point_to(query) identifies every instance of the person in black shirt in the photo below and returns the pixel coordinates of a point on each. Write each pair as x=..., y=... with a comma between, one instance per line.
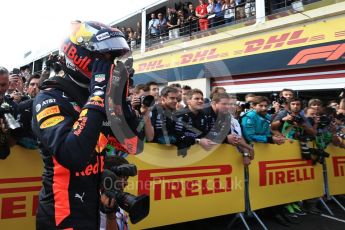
x=162, y=117
x=192, y=124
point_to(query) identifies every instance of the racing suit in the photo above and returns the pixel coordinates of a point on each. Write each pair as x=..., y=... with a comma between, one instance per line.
x=73, y=141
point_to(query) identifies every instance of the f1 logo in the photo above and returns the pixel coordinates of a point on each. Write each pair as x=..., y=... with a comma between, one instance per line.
x=330, y=53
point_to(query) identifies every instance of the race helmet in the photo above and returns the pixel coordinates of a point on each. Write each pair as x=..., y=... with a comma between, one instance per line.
x=88, y=41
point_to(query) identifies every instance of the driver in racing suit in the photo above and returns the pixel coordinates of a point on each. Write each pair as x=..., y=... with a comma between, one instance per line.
x=70, y=122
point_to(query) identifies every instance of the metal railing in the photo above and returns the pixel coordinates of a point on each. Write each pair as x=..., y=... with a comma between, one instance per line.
x=232, y=15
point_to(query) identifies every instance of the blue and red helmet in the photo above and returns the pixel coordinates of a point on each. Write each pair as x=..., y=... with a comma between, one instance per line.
x=90, y=40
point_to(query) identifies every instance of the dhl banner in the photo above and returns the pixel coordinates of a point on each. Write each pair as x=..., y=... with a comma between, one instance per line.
x=311, y=44
x=20, y=183
x=336, y=170
x=197, y=186
x=279, y=175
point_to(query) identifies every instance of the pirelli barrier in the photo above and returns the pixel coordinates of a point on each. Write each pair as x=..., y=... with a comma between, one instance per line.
x=201, y=185
x=336, y=171
x=279, y=175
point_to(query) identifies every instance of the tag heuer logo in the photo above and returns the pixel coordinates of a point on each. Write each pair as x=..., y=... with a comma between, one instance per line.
x=100, y=77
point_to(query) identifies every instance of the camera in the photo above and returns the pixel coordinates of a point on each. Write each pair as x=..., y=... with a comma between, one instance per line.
x=276, y=98
x=137, y=207
x=6, y=112
x=325, y=121
x=297, y=118
x=145, y=101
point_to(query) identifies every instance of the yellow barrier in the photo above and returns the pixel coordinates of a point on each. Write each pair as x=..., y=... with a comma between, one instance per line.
x=279, y=175
x=212, y=186
x=20, y=182
x=201, y=185
x=336, y=170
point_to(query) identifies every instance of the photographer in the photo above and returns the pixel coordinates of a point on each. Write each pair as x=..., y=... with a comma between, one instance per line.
x=68, y=119
x=153, y=90
x=256, y=123
x=7, y=107
x=291, y=123
x=141, y=104
x=117, y=219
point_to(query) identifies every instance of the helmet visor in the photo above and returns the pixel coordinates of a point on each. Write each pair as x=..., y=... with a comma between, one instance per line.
x=113, y=44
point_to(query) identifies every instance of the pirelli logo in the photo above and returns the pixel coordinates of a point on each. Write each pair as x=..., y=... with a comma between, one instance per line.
x=338, y=166
x=173, y=183
x=285, y=171
x=19, y=197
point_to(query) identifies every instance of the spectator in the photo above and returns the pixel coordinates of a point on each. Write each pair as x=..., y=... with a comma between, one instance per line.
x=191, y=125
x=6, y=139
x=247, y=106
x=162, y=25
x=219, y=125
x=181, y=22
x=333, y=104
x=138, y=33
x=236, y=138
x=240, y=9
x=132, y=40
x=286, y=93
x=180, y=104
x=172, y=23
x=229, y=11
x=217, y=89
x=141, y=111
x=16, y=88
x=153, y=90
x=26, y=138
x=211, y=14
x=316, y=104
x=191, y=24
x=249, y=8
x=218, y=19
x=153, y=26
x=291, y=123
x=201, y=13
x=185, y=90
x=256, y=123
x=162, y=117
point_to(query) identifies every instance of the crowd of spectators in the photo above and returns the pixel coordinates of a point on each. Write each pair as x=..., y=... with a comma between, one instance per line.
x=18, y=88
x=182, y=116
x=187, y=17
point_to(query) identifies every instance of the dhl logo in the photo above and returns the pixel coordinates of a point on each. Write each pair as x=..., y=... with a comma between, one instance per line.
x=275, y=41
x=338, y=165
x=188, y=58
x=181, y=182
x=285, y=171
x=330, y=53
x=19, y=201
x=208, y=54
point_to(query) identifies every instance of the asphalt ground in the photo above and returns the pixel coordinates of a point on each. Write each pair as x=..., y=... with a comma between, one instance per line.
x=310, y=221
